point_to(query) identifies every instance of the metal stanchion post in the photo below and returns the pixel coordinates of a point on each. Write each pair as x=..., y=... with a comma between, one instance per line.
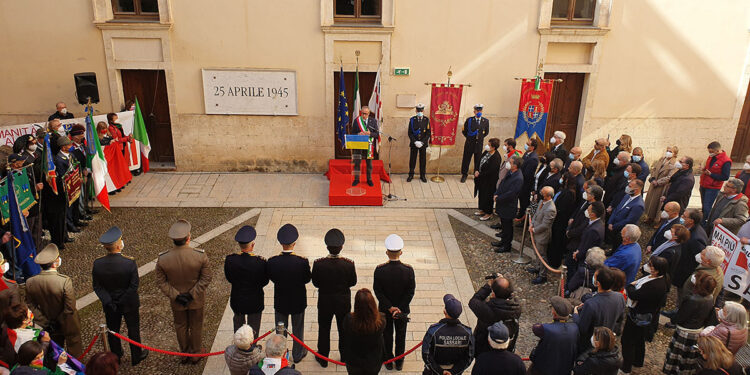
x=103, y=332
x=522, y=258
x=562, y=279
x=280, y=330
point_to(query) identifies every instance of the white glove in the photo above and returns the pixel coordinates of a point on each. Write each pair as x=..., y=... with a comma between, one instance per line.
x=419, y=144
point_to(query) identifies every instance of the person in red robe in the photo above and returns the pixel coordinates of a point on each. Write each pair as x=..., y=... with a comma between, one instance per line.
x=117, y=166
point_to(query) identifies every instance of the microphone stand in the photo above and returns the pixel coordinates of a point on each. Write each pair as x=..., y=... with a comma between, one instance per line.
x=390, y=197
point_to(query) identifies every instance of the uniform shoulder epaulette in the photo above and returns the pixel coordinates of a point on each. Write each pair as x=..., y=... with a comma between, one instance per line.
x=299, y=256
x=347, y=259
x=406, y=264
x=127, y=256
x=319, y=259
x=163, y=252
x=381, y=264
x=199, y=250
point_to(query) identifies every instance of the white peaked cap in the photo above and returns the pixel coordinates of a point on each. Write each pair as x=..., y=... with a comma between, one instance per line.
x=394, y=242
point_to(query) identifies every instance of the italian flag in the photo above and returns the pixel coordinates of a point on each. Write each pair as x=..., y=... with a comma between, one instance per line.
x=18, y=337
x=98, y=165
x=357, y=99
x=141, y=136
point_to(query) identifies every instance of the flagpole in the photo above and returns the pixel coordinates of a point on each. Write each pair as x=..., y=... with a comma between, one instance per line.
x=438, y=178
x=12, y=243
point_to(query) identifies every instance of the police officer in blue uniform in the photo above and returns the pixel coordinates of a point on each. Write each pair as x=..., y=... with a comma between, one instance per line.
x=419, y=139
x=247, y=274
x=475, y=129
x=333, y=275
x=448, y=345
x=115, y=280
x=289, y=273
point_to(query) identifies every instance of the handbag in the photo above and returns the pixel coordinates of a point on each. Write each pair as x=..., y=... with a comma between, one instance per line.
x=641, y=320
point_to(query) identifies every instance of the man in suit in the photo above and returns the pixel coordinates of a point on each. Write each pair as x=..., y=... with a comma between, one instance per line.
x=75, y=214
x=506, y=204
x=669, y=216
x=290, y=273
x=333, y=275
x=579, y=221
x=55, y=205
x=730, y=208
x=365, y=125
x=540, y=228
x=576, y=172
x=52, y=298
x=617, y=181
x=182, y=274
x=394, y=286
x=475, y=129
x=628, y=211
x=554, y=176
x=593, y=235
x=247, y=274
x=599, y=152
x=556, y=144
x=419, y=139
x=530, y=162
x=115, y=280
x=574, y=155
x=681, y=183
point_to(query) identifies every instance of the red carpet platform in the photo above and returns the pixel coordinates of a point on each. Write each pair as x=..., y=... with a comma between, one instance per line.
x=342, y=193
x=344, y=166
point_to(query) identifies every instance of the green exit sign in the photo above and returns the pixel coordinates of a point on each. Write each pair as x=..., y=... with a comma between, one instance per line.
x=401, y=71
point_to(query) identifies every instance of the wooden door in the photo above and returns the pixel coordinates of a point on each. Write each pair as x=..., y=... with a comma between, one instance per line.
x=741, y=146
x=150, y=87
x=565, y=106
x=366, y=83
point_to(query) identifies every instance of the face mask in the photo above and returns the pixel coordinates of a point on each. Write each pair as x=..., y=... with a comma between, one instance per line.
x=60, y=131
x=526, y=147
x=721, y=315
x=32, y=148
x=486, y=147
x=711, y=154
x=6, y=267
x=571, y=156
x=668, y=235
x=746, y=166
x=682, y=221
x=561, y=181
x=585, y=196
x=618, y=142
x=628, y=190
x=552, y=141
x=697, y=259
x=664, y=215
x=636, y=158
x=64, y=111
x=668, y=154
x=505, y=149
x=479, y=114
x=123, y=245
x=593, y=280
x=37, y=363
x=420, y=114
x=507, y=165
x=59, y=262
x=586, y=213
x=692, y=279
x=626, y=173
x=678, y=165
x=647, y=268
x=617, y=162
x=592, y=337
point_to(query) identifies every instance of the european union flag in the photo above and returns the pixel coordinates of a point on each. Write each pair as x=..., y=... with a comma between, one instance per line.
x=25, y=250
x=343, y=116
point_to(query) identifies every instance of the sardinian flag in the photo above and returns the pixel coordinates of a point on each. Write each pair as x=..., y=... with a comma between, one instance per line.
x=376, y=104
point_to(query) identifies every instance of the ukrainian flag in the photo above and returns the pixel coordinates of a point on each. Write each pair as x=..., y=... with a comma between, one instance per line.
x=357, y=142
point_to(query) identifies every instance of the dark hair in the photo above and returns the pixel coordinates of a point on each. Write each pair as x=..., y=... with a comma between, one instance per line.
x=366, y=318
x=606, y=278
x=661, y=266
x=180, y=242
x=569, y=183
x=510, y=142
x=534, y=143
x=15, y=315
x=598, y=209
x=606, y=339
x=110, y=116
x=47, y=266
x=689, y=161
x=597, y=192
x=549, y=156
x=502, y=291
x=28, y=351
x=704, y=284
x=695, y=215
x=335, y=250
x=638, y=184
x=681, y=233
x=494, y=143
x=636, y=168
x=620, y=279
x=103, y=363
x=714, y=145
x=517, y=161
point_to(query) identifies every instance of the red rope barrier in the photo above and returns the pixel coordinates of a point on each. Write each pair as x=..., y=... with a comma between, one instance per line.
x=168, y=352
x=314, y=352
x=403, y=355
x=88, y=348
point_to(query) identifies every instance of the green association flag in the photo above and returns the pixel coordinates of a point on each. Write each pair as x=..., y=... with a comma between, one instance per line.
x=23, y=193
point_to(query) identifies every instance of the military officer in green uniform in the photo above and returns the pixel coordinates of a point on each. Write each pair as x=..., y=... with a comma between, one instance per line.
x=115, y=280
x=52, y=299
x=183, y=275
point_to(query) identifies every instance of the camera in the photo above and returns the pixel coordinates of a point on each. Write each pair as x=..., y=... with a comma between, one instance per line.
x=493, y=276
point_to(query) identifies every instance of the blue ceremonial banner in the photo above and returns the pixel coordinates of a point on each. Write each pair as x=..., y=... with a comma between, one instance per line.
x=533, y=108
x=22, y=240
x=343, y=115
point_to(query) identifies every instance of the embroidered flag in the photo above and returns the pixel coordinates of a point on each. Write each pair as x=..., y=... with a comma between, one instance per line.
x=445, y=105
x=25, y=250
x=343, y=116
x=49, y=165
x=533, y=107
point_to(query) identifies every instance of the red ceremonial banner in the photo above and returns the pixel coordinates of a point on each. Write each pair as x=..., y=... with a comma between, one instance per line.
x=445, y=105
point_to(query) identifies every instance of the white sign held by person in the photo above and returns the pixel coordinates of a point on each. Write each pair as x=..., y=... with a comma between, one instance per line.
x=735, y=261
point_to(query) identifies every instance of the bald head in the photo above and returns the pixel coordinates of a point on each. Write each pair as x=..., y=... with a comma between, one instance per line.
x=672, y=209
x=576, y=151
x=600, y=144
x=575, y=167
x=623, y=157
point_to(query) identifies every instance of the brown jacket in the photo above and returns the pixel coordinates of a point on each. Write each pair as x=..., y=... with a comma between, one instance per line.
x=602, y=155
x=732, y=216
x=716, y=272
x=52, y=299
x=180, y=270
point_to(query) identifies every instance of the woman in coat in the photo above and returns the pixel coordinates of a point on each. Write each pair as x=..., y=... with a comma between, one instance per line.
x=671, y=250
x=646, y=296
x=485, y=179
x=732, y=328
x=604, y=359
x=695, y=310
x=717, y=360
x=661, y=171
x=565, y=202
x=362, y=336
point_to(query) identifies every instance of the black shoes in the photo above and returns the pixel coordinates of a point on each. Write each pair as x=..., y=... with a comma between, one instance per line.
x=81, y=224
x=323, y=363
x=389, y=366
x=501, y=250
x=87, y=217
x=496, y=243
x=355, y=183
x=399, y=366
x=539, y=280
x=69, y=240
x=532, y=270
x=408, y=179
x=74, y=230
x=495, y=226
x=499, y=234
x=369, y=182
x=424, y=179
x=463, y=178
x=136, y=361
